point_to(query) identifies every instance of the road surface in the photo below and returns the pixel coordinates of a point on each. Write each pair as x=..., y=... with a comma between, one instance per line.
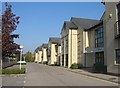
x=43, y=75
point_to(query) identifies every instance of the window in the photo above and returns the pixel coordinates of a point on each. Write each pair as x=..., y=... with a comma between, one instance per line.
x=118, y=10
x=99, y=42
x=99, y=57
x=117, y=56
x=63, y=60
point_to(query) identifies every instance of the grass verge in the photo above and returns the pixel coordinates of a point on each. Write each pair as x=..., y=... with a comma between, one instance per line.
x=13, y=71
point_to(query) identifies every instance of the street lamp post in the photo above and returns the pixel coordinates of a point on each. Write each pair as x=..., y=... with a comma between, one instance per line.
x=21, y=47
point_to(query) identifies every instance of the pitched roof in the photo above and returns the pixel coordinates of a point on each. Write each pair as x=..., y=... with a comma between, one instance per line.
x=44, y=45
x=55, y=40
x=84, y=23
x=70, y=24
x=38, y=49
x=98, y=24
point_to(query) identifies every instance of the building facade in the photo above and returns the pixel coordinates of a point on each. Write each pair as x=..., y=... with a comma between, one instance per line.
x=36, y=55
x=68, y=35
x=94, y=52
x=112, y=36
x=87, y=42
x=73, y=40
x=54, y=51
x=40, y=55
x=44, y=52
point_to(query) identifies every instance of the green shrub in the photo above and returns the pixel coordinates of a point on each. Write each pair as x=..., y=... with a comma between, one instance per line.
x=74, y=66
x=14, y=71
x=45, y=62
x=52, y=65
x=29, y=57
x=99, y=68
x=55, y=63
x=40, y=62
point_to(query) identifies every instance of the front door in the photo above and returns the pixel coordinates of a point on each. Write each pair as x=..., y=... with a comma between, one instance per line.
x=99, y=57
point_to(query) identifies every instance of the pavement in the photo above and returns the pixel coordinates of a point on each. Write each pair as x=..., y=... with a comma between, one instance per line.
x=13, y=80
x=111, y=78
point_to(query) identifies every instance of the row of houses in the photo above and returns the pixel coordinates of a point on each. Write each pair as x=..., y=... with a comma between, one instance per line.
x=50, y=52
x=87, y=42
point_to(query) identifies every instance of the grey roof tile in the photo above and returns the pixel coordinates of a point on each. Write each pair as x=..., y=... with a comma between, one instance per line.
x=44, y=45
x=38, y=49
x=55, y=40
x=70, y=24
x=83, y=22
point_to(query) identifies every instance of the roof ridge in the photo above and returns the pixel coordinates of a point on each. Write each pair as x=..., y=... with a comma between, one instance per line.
x=83, y=18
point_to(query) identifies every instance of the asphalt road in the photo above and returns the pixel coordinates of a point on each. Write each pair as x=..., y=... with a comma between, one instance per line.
x=43, y=75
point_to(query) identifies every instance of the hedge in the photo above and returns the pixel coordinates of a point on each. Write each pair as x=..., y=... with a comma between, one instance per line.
x=14, y=71
x=45, y=62
x=74, y=66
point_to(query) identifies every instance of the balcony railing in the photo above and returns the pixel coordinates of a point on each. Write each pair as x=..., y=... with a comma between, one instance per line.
x=117, y=29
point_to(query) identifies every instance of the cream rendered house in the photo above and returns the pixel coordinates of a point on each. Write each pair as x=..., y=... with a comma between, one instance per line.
x=82, y=38
x=59, y=56
x=54, y=50
x=44, y=52
x=69, y=48
x=40, y=55
x=36, y=55
x=74, y=39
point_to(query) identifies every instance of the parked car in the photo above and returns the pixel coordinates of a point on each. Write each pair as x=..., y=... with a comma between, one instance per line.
x=22, y=62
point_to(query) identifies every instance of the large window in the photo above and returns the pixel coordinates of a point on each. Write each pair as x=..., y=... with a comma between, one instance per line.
x=118, y=10
x=99, y=42
x=117, y=56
